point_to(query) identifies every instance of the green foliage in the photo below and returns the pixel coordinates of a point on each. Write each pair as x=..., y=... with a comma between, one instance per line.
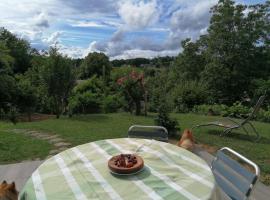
x=188, y=94
x=159, y=62
x=157, y=87
x=35, y=75
x=86, y=102
x=19, y=50
x=264, y=115
x=6, y=60
x=27, y=95
x=8, y=89
x=111, y=103
x=237, y=109
x=261, y=87
x=59, y=79
x=132, y=87
x=216, y=109
x=163, y=119
x=190, y=62
x=226, y=58
x=87, y=97
x=96, y=64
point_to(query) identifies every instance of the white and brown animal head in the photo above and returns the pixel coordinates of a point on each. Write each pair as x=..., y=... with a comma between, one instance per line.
x=187, y=140
x=8, y=191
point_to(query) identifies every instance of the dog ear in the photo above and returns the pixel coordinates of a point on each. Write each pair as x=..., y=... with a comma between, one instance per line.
x=4, y=183
x=12, y=188
x=13, y=185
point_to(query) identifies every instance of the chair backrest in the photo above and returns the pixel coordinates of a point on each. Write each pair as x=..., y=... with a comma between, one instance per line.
x=148, y=132
x=256, y=108
x=234, y=179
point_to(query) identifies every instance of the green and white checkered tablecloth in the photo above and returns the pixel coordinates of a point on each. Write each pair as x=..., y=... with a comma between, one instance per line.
x=82, y=173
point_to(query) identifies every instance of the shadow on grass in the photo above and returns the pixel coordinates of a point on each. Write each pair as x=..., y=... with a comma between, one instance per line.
x=240, y=136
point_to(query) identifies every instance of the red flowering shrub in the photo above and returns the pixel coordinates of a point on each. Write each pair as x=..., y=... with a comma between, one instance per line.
x=132, y=86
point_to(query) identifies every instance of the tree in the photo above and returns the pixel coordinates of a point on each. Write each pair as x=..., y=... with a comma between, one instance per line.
x=26, y=95
x=133, y=88
x=235, y=42
x=191, y=61
x=8, y=89
x=59, y=78
x=19, y=49
x=96, y=64
x=6, y=60
x=87, y=96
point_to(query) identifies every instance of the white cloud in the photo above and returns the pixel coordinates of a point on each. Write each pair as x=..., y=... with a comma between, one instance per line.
x=41, y=20
x=190, y=20
x=43, y=24
x=78, y=52
x=137, y=15
x=86, y=24
x=53, y=38
x=138, y=53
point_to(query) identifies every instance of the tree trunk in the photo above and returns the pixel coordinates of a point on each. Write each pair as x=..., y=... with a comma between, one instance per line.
x=57, y=108
x=29, y=116
x=138, y=107
x=145, y=103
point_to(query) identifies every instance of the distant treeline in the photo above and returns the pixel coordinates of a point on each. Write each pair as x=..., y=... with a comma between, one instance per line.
x=144, y=62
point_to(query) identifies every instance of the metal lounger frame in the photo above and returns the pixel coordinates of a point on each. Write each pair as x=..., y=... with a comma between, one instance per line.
x=236, y=124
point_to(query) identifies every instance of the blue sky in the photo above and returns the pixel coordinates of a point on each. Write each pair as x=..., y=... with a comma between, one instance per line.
x=120, y=28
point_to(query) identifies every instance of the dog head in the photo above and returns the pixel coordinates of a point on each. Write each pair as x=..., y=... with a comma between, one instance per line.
x=187, y=134
x=8, y=191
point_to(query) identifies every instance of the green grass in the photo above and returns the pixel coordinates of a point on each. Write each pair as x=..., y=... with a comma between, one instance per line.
x=16, y=147
x=87, y=128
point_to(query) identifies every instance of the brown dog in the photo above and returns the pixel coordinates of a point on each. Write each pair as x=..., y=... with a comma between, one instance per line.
x=187, y=140
x=8, y=191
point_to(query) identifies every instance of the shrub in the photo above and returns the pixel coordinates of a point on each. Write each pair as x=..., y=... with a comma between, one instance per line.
x=215, y=109
x=85, y=103
x=237, y=109
x=264, y=115
x=163, y=119
x=111, y=103
x=87, y=97
x=188, y=94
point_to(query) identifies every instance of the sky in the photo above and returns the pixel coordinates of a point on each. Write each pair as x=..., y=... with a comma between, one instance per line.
x=121, y=29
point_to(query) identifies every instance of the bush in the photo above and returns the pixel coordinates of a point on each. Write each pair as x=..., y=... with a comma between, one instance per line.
x=215, y=109
x=264, y=115
x=237, y=109
x=85, y=103
x=87, y=97
x=111, y=103
x=163, y=119
x=188, y=94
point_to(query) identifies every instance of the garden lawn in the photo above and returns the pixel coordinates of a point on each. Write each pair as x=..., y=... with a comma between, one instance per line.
x=86, y=128
x=16, y=147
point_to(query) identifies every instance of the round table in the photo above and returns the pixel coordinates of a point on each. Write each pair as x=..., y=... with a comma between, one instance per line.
x=82, y=173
